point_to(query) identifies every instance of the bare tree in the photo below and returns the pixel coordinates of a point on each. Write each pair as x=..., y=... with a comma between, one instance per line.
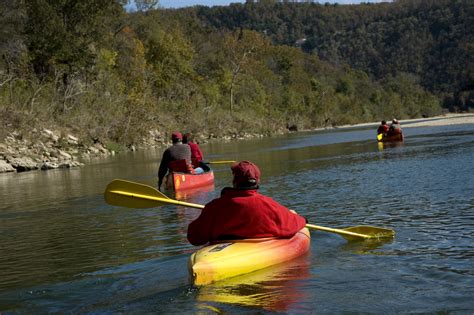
x=144, y=5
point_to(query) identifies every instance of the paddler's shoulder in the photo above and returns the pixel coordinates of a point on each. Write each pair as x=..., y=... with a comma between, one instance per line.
x=235, y=192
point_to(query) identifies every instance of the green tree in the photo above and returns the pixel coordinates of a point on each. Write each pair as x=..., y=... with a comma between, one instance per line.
x=62, y=34
x=12, y=47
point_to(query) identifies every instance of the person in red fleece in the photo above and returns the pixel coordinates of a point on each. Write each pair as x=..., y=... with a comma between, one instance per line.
x=241, y=212
x=196, y=153
x=383, y=128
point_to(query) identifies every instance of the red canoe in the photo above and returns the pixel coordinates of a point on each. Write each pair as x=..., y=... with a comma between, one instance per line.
x=183, y=181
x=393, y=138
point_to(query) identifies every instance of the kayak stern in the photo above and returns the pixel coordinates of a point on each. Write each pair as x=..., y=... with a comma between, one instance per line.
x=237, y=257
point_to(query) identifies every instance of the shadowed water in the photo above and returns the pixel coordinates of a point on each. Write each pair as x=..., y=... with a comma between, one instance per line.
x=63, y=249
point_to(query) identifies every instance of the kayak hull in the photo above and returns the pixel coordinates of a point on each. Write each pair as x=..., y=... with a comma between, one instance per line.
x=237, y=257
x=393, y=138
x=183, y=181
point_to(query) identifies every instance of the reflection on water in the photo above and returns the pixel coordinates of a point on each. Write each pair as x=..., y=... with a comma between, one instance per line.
x=273, y=289
x=386, y=145
x=199, y=193
x=367, y=246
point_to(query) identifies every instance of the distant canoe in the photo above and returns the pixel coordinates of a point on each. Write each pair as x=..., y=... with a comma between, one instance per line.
x=392, y=138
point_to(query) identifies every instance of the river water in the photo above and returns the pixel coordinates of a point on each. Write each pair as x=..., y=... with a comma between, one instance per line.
x=64, y=250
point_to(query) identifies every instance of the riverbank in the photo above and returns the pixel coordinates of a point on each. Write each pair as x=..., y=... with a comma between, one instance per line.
x=50, y=149
x=47, y=149
x=442, y=120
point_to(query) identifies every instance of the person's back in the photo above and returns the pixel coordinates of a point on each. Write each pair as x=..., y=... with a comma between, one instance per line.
x=241, y=212
x=395, y=128
x=176, y=158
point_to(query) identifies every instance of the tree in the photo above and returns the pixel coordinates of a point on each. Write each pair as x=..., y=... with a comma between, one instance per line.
x=62, y=34
x=12, y=47
x=241, y=46
x=144, y=5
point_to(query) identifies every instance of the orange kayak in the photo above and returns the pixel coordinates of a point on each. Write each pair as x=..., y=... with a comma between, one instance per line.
x=237, y=257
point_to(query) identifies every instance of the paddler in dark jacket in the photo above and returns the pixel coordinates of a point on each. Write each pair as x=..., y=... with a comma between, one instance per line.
x=395, y=128
x=241, y=212
x=176, y=158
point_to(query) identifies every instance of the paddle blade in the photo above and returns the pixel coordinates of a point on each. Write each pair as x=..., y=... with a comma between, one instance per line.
x=357, y=233
x=380, y=136
x=374, y=233
x=133, y=195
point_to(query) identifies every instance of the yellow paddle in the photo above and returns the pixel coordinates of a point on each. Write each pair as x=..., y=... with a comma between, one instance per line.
x=138, y=196
x=219, y=162
x=380, y=136
x=134, y=195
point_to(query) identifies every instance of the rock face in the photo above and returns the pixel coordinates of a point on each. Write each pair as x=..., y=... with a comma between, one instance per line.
x=50, y=150
x=5, y=167
x=22, y=164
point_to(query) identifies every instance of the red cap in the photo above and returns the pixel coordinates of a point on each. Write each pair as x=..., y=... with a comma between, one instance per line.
x=176, y=136
x=245, y=172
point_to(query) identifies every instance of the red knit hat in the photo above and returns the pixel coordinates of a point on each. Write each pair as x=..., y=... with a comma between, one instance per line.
x=245, y=172
x=176, y=136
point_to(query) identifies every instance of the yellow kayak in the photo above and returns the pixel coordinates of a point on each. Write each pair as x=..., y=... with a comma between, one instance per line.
x=237, y=257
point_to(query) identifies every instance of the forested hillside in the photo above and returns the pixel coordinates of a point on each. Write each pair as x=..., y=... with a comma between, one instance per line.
x=432, y=41
x=107, y=75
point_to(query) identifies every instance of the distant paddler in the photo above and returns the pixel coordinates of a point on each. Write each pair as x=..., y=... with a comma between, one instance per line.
x=196, y=154
x=392, y=133
x=383, y=128
x=395, y=128
x=176, y=158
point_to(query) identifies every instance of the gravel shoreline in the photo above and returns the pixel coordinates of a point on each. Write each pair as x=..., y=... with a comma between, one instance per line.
x=443, y=120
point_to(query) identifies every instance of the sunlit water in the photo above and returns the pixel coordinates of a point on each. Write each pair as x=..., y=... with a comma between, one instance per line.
x=63, y=249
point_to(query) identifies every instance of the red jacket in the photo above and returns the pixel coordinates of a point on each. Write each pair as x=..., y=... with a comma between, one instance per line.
x=240, y=214
x=196, y=154
x=382, y=129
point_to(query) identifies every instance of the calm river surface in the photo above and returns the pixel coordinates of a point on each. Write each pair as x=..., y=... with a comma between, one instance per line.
x=64, y=250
